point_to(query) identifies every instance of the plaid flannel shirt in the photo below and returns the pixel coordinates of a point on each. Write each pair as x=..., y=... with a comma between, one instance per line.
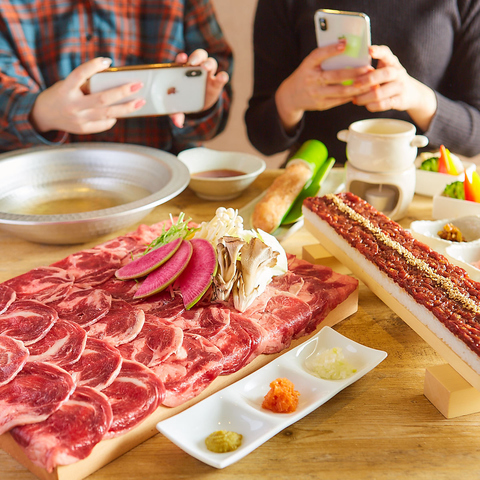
x=42, y=41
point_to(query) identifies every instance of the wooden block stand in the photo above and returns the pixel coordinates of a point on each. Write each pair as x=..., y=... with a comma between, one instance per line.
x=453, y=388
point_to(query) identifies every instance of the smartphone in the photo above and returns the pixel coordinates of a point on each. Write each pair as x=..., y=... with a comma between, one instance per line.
x=167, y=87
x=333, y=25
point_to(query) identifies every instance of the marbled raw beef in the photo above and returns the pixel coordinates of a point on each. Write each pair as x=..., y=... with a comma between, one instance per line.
x=134, y=395
x=27, y=320
x=90, y=267
x=120, y=325
x=190, y=370
x=205, y=321
x=7, y=297
x=83, y=306
x=98, y=365
x=162, y=305
x=157, y=340
x=13, y=356
x=123, y=289
x=33, y=395
x=44, y=284
x=62, y=345
x=70, y=433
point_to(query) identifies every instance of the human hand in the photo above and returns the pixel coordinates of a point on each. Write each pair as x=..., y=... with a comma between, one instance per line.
x=65, y=106
x=215, y=81
x=392, y=88
x=311, y=88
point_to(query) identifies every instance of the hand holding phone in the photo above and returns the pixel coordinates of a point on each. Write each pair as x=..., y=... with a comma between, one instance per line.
x=333, y=25
x=167, y=88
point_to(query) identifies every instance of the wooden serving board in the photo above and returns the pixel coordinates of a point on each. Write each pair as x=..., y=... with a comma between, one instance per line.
x=109, y=450
x=465, y=370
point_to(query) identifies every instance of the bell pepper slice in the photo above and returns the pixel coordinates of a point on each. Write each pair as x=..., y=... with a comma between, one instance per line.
x=471, y=186
x=442, y=161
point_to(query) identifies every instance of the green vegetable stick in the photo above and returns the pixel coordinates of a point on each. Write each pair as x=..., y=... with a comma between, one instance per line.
x=310, y=190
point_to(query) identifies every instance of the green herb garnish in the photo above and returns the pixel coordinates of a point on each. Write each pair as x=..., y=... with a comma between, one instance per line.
x=179, y=229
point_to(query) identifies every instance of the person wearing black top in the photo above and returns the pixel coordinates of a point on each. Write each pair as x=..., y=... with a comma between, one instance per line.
x=426, y=70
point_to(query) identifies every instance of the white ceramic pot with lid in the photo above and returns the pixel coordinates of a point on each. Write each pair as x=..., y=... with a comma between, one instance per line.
x=382, y=144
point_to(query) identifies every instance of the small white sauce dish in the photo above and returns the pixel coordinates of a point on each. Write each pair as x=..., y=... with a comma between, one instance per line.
x=464, y=255
x=238, y=407
x=202, y=159
x=433, y=183
x=426, y=231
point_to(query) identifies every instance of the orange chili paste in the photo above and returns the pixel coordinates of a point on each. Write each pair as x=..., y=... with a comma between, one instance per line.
x=282, y=397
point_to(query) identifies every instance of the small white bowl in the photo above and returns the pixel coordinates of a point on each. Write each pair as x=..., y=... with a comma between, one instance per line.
x=204, y=159
x=426, y=231
x=465, y=254
x=447, y=207
x=433, y=183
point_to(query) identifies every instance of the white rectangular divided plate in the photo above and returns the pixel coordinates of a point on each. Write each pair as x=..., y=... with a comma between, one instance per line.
x=238, y=407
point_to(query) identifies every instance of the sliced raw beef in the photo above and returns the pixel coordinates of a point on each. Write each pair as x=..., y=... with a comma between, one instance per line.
x=134, y=395
x=83, y=306
x=62, y=345
x=304, y=268
x=70, y=433
x=7, y=297
x=282, y=316
x=189, y=371
x=33, y=395
x=257, y=333
x=121, y=247
x=120, y=325
x=13, y=356
x=235, y=344
x=123, y=289
x=163, y=305
x=90, y=267
x=157, y=340
x=205, y=321
x=27, y=320
x=98, y=366
x=45, y=284
x=148, y=233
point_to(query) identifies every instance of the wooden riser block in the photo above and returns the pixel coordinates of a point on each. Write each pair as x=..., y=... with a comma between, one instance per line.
x=318, y=255
x=449, y=392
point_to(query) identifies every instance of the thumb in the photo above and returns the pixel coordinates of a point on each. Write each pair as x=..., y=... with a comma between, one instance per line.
x=320, y=54
x=83, y=72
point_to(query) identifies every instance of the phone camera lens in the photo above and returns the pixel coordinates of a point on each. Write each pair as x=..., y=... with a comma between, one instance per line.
x=323, y=24
x=194, y=73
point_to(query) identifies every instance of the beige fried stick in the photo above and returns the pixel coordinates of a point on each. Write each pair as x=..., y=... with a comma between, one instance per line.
x=281, y=194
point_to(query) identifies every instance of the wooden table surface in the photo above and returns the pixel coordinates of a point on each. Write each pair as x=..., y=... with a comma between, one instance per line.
x=381, y=427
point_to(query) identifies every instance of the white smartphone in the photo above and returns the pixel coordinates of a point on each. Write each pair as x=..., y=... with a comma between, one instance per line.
x=333, y=25
x=167, y=87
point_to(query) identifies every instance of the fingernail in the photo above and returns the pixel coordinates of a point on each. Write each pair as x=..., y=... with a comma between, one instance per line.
x=354, y=101
x=136, y=86
x=139, y=103
x=194, y=60
x=342, y=44
x=107, y=61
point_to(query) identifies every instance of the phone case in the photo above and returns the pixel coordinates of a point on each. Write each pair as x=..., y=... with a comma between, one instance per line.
x=332, y=25
x=167, y=88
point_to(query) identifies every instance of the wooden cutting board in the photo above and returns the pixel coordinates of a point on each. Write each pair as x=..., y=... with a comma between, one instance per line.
x=109, y=450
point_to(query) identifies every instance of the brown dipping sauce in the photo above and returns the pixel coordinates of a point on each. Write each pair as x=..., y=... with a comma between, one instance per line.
x=220, y=173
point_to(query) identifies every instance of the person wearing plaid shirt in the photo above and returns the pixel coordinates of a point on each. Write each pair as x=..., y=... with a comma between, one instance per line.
x=49, y=49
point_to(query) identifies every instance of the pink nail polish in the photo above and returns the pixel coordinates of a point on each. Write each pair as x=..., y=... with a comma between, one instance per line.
x=136, y=86
x=139, y=103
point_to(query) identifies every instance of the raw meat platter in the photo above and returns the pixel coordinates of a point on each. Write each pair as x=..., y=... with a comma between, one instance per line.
x=82, y=338
x=238, y=407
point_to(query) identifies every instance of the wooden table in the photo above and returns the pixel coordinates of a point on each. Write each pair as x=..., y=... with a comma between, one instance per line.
x=381, y=427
